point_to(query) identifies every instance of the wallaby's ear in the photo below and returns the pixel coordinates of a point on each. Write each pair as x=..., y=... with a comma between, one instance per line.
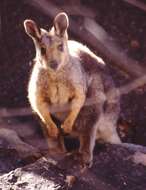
x=61, y=24
x=32, y=29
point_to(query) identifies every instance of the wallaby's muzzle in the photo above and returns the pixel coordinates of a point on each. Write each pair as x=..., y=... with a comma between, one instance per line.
x=54, y=65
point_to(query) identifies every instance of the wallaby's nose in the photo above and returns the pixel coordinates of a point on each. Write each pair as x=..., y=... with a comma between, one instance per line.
x=54, y=64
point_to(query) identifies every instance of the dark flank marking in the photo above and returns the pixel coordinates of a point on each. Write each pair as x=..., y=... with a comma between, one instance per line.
x=90, y=64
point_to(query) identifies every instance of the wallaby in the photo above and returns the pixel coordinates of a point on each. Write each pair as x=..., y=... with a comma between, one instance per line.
x=70, y=83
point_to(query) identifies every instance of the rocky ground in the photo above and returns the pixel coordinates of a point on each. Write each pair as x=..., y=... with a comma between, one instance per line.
x=24, y=163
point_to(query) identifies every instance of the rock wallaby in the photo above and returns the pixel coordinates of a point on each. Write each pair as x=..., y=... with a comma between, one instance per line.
x=71, y=84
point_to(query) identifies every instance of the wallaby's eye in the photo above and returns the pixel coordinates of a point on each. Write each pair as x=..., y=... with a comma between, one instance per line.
x=60, y=47
x=43, y=50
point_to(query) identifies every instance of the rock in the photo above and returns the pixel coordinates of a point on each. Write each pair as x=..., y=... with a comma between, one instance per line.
x=113, y=169
x=139, y=158
x=26, y=164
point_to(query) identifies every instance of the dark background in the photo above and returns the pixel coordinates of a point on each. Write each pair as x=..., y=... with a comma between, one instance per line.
x=122, y=21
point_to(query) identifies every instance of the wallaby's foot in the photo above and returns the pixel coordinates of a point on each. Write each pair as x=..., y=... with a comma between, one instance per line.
x=85, y=159
x=56, y=146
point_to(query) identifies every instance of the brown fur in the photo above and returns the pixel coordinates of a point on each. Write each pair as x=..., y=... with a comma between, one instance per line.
x=65, y=78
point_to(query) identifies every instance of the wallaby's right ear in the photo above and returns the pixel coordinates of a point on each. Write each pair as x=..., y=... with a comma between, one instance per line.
x=32, y=29
x=61, y=23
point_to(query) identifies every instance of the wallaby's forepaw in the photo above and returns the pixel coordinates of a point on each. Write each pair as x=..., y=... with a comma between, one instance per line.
x=53, y=131
x=67, y=128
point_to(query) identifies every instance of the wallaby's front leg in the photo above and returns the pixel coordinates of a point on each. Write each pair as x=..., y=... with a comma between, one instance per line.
x=76, y=105
x=42, y=109
x=54, y=137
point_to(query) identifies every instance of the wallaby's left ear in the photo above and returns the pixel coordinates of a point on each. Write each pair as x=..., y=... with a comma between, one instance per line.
x=32, y=29
x=61, y=24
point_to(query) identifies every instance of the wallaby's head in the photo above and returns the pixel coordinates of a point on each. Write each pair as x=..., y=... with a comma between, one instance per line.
x=51, y=46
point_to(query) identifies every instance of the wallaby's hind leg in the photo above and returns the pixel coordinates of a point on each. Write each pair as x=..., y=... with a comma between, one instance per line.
x=86, y=150
x=89, y=119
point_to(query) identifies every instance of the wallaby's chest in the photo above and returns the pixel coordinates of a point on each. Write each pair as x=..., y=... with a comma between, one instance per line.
x=56, y=90
x=59, y=92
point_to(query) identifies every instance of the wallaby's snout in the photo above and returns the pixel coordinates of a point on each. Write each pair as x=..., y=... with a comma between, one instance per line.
x=54, y=64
